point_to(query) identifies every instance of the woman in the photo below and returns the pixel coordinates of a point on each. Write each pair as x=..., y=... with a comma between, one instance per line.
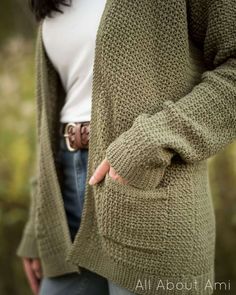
x=132, y=98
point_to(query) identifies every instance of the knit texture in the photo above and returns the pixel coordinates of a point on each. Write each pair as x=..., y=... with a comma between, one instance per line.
x=163, y=102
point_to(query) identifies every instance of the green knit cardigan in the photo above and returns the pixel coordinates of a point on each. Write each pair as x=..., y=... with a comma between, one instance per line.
x=163, y=102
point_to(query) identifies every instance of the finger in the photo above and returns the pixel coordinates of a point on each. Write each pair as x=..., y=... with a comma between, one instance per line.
x=114, y=175
x=36, y=266
x=100, y=172
x=32, y=279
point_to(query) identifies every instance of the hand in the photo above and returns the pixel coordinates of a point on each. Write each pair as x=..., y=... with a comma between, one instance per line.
x=32, y=267
x=101, y=171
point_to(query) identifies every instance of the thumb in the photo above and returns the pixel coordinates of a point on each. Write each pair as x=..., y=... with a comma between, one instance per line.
x=100, y=172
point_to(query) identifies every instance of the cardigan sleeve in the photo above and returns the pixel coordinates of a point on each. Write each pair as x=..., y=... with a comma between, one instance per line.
x=28, y=245
x=201, y=123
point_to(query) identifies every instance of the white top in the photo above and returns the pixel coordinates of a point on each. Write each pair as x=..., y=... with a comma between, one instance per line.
x=69, y=40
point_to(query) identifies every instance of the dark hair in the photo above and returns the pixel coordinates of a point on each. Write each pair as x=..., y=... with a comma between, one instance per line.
x=43, y=8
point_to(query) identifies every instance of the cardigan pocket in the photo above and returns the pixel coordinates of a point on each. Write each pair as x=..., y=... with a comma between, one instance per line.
x=140, y=227
x=147, y=179
x=131, y=216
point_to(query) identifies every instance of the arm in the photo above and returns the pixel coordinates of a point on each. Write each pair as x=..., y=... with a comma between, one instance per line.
x=27, y=246
x=199, y=124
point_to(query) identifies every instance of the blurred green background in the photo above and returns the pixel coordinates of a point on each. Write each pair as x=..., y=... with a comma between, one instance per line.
x=17, y=150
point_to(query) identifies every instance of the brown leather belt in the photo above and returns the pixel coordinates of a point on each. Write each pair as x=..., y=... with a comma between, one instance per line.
x=76, y=135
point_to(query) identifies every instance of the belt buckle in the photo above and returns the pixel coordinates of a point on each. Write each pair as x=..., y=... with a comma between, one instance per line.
x=67, y=133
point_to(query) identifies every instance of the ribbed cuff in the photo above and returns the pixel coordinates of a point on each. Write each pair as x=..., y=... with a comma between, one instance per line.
x=135, y=158
x=140, y=177
x=27, y=247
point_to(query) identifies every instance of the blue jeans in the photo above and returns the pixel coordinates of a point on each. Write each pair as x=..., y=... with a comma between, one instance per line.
x=74, y=169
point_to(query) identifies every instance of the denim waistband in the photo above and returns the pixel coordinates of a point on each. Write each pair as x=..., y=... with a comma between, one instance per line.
x=62, y=143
